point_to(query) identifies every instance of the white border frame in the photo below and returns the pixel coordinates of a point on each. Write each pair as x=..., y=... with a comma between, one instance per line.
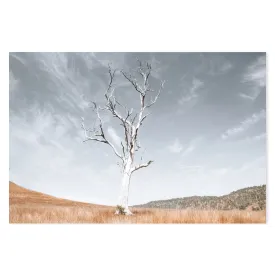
x=137, y=249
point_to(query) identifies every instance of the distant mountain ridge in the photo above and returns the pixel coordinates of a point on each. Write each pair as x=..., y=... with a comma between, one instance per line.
x=250, y=198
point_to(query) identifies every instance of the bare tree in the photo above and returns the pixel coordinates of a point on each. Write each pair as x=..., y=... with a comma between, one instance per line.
x=130, y=120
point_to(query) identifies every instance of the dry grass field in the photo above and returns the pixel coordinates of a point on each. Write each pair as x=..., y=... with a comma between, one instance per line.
x=28, y=206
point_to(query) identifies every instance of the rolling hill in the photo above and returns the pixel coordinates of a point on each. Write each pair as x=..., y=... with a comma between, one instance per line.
x=27, y=206
x=21, y=196
x=251, y=198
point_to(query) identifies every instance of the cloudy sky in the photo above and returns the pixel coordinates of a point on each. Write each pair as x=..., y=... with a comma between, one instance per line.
x=206, y=133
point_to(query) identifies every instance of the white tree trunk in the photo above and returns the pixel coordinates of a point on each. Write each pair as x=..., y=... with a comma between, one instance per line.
x=124, y=192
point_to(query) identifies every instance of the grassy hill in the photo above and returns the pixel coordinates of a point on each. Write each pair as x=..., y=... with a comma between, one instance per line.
x=21, y=196
x=27, y=206
x=251, y=198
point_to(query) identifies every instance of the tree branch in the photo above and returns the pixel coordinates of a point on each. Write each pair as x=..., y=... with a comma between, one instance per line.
x=133, y=82
x=143, y=118
x=112, y=101
x=154, y=100
x=129, y=121
x=141, y=166
x=145, y=72
x=101, y=134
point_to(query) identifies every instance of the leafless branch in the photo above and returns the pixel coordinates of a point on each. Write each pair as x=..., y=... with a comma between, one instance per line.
x=143, y=118
x=133, y=81
x=141, y=166
x=129, y=120
x=145, y=72
x=99, y=137
x=156, y=97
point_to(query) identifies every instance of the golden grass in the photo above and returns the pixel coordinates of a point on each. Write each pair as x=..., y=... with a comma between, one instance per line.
x=32, y=207
x=78, y=214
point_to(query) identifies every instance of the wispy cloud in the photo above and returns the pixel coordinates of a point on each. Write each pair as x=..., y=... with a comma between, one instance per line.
x=255, y=77
x=256, y=72
x=188, y=150
x=158, y=68
x=256, y=138
x=13, y=84
x=35, y=131
x=214, y=65
x=114, y=136
x=244, y=125
x=192, y=146
x=68, y=82
x=256, y=163
x=18, y=58
x=116, y=60
x=225, y=67
x=191, y=94
x=251, y=94
x=175, y=147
